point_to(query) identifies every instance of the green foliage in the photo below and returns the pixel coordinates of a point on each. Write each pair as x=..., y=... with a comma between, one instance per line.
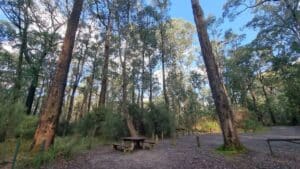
x=232, y=150
x=64, y=147
x=137, y=114
x=158, y=119
x=27, y=127
x=11, y=114
x=113, y=127
x=208, y=125
x=91, y=122
x=104, y=122
x=251, y=125
x=292, y=90
x=192, y=110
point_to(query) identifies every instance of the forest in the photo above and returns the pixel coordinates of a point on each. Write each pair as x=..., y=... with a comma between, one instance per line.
x=79, y=75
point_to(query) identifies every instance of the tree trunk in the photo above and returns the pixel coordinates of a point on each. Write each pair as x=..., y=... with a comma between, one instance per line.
x=268, y=104
x=34, y=82
x=162, y=34
x=105, y=66
x=129, y=120
x=39, y=98
x=31, y=94
x=221, y=101
x=124, y=105
x=143, y=78
x=258, y=113
x=150, y=81
x=71, y=104
x=22, y=52
x=132, y=87
x=91, y=85
x=83, y=107
x=78, y=73
x=51, y=110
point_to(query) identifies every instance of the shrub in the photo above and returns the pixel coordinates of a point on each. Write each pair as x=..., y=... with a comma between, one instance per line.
x=158, y=119
x=231, y=150
x=11, y=114
x=113, y=126
x=90, y=123
x=208, y=125
x=137, y=115
x=27, y=127
x=104, y=122
x=251, y=125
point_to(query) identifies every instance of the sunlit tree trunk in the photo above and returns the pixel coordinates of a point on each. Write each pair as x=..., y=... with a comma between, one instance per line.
x=83, y=107
x=270, y=110
x=254, y=100
x=106, y=62
x=267, y=99
x=163, y=60
x=150, y=81
x=125, y=111
x=23, y=52
x=34, y=83
x=91, y=89
x=124, y=104
x=51, y=109
x=221, y=101
x=143, y=78
x=133, y=86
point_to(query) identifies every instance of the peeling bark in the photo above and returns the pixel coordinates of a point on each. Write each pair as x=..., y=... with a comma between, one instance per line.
x=51, y=109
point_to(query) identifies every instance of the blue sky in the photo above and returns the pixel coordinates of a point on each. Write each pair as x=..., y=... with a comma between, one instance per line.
x=182, y=9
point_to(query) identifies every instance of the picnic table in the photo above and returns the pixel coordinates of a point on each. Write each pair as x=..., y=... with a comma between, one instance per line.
x=138, y=141
x=290, y=140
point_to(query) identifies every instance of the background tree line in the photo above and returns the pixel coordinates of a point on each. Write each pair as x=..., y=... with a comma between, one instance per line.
x=128, y=68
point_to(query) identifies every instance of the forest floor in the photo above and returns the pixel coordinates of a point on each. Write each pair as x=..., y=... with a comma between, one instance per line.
x=185, y=154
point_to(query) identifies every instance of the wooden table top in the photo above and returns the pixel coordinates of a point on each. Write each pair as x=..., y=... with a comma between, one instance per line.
x=134, y=138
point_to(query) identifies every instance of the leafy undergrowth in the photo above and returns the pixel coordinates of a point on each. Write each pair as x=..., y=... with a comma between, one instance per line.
x=251, y=125
x=64, y=147
x=208, y=125
x=231, y=151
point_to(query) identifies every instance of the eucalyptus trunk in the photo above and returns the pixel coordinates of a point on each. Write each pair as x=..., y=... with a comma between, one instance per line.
x=163, y=60
x=150, y=81
x=124, y=105
x=34, y=82
x=51, y=109
x=267, y=99
x=258, y=113
x=105, y=66
x=91, y=85
x=143, y=78
x=224, y=111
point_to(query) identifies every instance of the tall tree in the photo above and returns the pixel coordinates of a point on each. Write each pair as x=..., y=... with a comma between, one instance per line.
x=162, y=20
x=45, y=38
x=51, y=110
x=124, y=26
x=18, y=14
x=107, y=43
x=221, y=101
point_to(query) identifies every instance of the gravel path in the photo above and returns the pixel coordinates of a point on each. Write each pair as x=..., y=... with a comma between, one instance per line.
x=186, y=155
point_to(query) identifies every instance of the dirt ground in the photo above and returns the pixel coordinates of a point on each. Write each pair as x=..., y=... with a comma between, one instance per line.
x=186, y=155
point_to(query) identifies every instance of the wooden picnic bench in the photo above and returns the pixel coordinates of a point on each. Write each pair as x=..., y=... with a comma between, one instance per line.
x=137, y=141
x=124, y=147
x=148, y=144
x=290, y=140
x=131, y=143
